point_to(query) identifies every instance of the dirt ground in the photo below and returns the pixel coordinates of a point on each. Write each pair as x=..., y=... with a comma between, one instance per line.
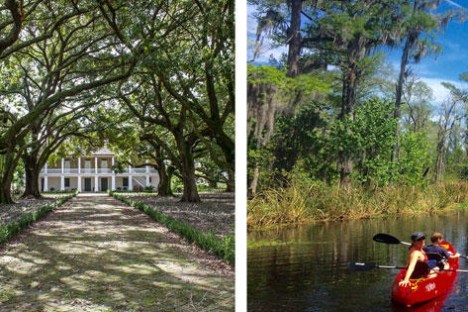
x=215, y=213
x=97, y=254
x=13, y=212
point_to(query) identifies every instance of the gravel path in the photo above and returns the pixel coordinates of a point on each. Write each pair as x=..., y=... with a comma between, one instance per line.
x=97, y=254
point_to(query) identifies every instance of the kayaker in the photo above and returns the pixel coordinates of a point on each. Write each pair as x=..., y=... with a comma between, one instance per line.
x=438, y=254
x=417, y=261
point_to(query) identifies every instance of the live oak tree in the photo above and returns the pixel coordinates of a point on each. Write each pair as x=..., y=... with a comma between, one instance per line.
x=206, y=89
x=152, y=105
x=82, y=43
x=61, y=69
x=193, y=66
x=10, y=28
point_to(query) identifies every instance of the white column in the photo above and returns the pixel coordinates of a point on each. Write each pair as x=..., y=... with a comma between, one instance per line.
x=62, y=182
x=130, y=182
x=95, y=165
x=79, y=165
x=46, y=183
x=96, y=184
x=45, y=168
x=79, y=184
x=113, y=175
x=147, y=169
x=63, y=165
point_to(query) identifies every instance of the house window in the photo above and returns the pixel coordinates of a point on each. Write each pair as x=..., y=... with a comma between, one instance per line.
x=67, y=182
x=87, y=166
x=150, y=180
x=125, y=182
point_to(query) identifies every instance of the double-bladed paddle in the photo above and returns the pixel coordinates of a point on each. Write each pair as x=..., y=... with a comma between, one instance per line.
x=389, y=239
x=361, y=266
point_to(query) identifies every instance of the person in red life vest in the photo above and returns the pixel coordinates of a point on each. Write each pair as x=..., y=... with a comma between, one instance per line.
x=417, y=261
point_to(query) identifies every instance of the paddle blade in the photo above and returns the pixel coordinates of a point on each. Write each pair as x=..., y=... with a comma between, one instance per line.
x=361, y=267
x=385, y=238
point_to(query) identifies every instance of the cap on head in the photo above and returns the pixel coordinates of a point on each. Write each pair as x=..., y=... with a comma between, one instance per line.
x=417, y=236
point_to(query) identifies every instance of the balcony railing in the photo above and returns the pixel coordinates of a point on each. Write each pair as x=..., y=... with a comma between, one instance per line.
x=99, y=170
x=70, y=170
x=52, y=170
x=104, y=170
x=138, y=170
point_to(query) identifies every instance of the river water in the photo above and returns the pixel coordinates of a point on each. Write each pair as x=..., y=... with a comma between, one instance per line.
x=305, y=268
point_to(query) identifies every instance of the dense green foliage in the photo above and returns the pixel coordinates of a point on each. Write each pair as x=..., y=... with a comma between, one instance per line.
x=346, y=118
x=154, y=80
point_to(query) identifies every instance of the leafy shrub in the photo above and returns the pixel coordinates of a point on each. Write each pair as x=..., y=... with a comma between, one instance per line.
x=149, y=189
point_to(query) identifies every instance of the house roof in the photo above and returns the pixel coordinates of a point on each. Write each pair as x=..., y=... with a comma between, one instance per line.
x=103, y=151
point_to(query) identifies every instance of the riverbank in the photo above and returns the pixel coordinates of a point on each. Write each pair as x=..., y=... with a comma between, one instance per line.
x=301, y=204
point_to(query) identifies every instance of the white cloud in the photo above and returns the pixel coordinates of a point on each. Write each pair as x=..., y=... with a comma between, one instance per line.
x=440, y=93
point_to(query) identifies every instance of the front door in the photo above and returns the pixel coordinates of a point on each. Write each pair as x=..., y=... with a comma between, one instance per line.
x=87, y=184
x=104, y=184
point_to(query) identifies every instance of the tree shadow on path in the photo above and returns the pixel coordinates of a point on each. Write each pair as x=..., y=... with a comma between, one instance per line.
x=96, y=254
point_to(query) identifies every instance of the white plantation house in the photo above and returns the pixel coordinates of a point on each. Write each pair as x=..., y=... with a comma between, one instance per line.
x=94, y=173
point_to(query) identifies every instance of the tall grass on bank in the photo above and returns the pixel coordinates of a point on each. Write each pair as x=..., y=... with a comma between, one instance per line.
x=7, y=231
x=301, y=203
x=223, y=248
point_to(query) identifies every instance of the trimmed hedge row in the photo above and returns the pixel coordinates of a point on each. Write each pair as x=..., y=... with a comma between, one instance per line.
x=7, y=231
x=223, y=248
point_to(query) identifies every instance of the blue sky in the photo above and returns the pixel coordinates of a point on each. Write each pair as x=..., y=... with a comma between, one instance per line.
x=447, y=66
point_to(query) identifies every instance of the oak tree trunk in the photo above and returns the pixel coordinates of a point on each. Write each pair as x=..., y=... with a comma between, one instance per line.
x=190, y=193
x=164, y=187
x=32, y=169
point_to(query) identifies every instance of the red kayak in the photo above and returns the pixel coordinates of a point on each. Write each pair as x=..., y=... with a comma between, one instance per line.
x=427, y=288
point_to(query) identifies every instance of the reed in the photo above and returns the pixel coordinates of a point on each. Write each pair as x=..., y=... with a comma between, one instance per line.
x=300, y=203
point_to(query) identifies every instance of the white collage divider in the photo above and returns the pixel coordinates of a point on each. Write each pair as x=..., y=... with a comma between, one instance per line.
x=241, y=155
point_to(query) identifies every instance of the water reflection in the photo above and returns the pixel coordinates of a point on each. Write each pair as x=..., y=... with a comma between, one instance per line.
x=305, y=268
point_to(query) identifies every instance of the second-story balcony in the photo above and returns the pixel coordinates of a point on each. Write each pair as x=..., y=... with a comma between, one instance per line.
x=58, y=171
